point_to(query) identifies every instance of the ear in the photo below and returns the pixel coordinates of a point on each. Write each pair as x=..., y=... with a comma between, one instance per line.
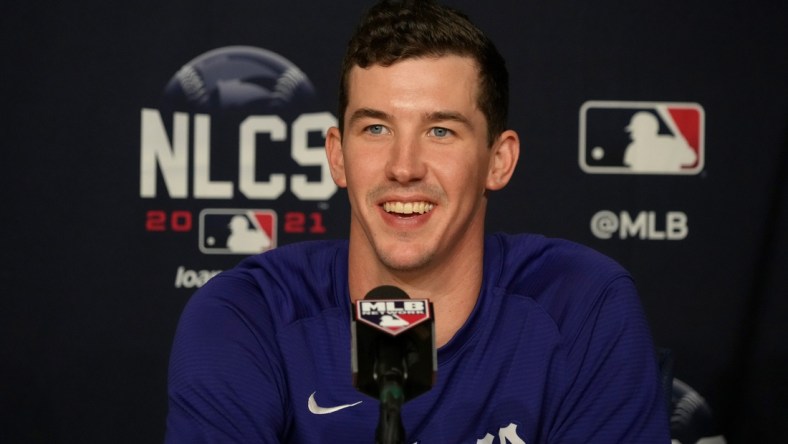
x=503, y=159
x=336, y=158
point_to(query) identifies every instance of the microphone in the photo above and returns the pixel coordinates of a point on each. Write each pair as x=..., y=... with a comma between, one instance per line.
x=393, y=354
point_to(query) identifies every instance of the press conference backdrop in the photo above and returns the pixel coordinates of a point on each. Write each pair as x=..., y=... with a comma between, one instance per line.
x=148, y=145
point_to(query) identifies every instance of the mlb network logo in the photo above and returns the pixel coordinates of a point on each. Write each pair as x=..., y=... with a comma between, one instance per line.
x=393, y=316
x=237, y=231
x=641, y=138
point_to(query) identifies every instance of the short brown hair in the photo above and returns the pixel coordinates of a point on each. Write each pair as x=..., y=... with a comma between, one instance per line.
x=392, y=31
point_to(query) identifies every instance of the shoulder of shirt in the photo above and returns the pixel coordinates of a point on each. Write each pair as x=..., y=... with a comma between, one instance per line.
x=527, y=260
x=290, y=282
x=564, y=278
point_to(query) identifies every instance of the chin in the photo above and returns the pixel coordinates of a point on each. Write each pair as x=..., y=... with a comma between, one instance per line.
x=405, y=263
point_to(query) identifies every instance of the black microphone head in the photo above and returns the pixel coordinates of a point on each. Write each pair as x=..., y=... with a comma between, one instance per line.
x=387, y=292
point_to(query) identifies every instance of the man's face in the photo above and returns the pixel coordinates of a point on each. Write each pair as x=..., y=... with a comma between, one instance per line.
x=415, y=161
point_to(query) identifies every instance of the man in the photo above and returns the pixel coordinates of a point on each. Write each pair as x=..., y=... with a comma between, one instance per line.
x=539, y=340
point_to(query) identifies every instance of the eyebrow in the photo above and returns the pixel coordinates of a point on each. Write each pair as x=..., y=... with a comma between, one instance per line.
x=442, y=116
x=370, y=113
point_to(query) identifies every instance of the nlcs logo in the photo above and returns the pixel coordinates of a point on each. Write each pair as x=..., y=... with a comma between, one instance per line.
x=641, y=138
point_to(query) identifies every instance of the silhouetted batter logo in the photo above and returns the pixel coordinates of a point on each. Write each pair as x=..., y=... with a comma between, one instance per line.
x=641, y=138
x=237, y=231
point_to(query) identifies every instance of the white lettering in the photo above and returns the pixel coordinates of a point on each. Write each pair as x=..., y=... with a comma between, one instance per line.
x=185, y=278
x=506, y=435
x=203, y=187
x=170, y=157
x=644, y=225
x=653, y=233
x=488, y=439
x=373, y=307
x=509, y=434
x=311, y=156
x=398, y=306
x=413, y=306
x=676, y=225
x=631, y=227
x=253, y=125
x=604, y=224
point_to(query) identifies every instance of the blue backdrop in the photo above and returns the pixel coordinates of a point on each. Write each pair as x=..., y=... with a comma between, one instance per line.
x=135, y=133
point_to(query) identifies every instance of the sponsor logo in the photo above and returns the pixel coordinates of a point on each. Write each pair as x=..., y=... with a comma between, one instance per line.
x=237, y=231
x=645, y=225
x=186, y=278
x=641, y=138
x=318, y=410
x=393, y=316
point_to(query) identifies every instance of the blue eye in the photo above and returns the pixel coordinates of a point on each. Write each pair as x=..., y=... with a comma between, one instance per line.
x=376, y=129
x=440, y=132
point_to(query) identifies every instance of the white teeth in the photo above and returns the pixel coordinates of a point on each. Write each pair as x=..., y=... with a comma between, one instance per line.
x=408, y=207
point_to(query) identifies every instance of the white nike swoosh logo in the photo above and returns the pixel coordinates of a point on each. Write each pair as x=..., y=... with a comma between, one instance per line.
x=317, y=410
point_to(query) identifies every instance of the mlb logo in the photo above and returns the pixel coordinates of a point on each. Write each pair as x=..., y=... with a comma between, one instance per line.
x=641, y=138
x=237, y=231
x=393, y=316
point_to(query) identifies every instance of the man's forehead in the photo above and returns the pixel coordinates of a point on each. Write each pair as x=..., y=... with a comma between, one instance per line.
x=454, y=76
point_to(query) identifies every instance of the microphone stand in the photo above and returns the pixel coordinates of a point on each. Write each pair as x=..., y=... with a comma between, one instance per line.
x=390, y=429
x=391, y=380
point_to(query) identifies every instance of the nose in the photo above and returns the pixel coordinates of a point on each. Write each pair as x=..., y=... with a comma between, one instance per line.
x=405, y=163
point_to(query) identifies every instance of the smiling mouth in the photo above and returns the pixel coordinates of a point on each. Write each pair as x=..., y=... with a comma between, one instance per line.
x=408, y=208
